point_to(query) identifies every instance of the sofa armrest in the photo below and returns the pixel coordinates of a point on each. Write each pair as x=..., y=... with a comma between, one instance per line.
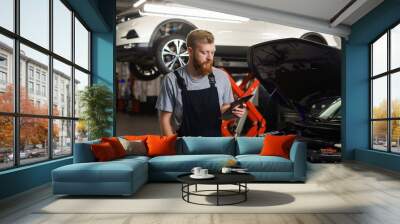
x=298, y=155
x=83, y=152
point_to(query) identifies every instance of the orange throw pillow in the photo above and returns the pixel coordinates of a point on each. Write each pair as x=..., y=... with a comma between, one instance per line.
x=103, y=151
x=135, y=137
x=161, y=145
x=277, y=145
x=116, y=145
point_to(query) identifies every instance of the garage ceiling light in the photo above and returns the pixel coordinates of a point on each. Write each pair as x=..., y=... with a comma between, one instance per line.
x=175, y=11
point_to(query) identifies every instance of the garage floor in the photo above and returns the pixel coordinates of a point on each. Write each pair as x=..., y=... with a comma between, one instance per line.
x=137, y=124
x=377, y=189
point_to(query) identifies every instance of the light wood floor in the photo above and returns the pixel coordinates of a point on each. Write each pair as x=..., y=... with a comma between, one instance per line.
x=377, y=188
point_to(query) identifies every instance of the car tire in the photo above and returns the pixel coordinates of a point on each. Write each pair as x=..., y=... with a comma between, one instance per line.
x=171, y=53
x=144, y=72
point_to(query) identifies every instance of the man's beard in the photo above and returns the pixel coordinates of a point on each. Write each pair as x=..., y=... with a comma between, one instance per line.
x=204, y=68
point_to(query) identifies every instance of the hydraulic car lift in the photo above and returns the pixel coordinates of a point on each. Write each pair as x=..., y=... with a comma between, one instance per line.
x=258, y=121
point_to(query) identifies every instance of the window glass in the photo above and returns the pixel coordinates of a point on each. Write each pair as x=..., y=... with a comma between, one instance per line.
x=6, y=142
x=34, y=21
x=395, y=136
x=81, y=45
x=81, y=131
x=379, y=135
x=81, y=81
x=379, y=56
x=33, y=139
x=62, y=29
x=62, y=138
x=7, y=14
x=395, y=47
x=34, y=80
x=39, y=62
x=6, y=74
x=395, y=95
x=379, y=98
x=62, y=91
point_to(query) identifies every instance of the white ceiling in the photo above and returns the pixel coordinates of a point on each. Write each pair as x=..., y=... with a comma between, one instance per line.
x=326, y=16
x=315, y=15
x=312, y=8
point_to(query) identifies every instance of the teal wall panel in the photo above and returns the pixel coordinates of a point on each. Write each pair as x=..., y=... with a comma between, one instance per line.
x=356, y=99
x=379, y=159
x=24, y=178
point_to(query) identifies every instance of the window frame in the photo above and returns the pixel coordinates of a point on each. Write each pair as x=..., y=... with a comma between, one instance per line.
x=388, y=74
x=15, y=71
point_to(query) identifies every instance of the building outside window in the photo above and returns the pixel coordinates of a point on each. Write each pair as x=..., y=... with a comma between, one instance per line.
x=3, y=72
x=34, y=72
x=30, y=72
x=38, y=89
x=37, y=75
x=3, y=61
x=55, y=99
x=43, y=90
x=43, y=78
x=30, y=87
x=385, y=94
x=3, y=78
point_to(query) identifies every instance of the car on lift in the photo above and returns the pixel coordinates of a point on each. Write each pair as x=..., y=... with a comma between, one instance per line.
x=152, y=38
x=302, y=82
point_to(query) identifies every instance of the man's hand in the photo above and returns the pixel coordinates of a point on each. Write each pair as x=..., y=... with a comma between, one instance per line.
x=239, y=110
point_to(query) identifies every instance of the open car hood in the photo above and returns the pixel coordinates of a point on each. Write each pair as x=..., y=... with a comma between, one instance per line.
x=297, y=70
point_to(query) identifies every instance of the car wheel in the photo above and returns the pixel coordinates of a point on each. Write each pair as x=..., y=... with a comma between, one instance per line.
x=171, y=53
x=144, y=71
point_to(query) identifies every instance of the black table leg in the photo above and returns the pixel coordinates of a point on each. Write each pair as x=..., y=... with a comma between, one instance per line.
x=245, y=193
x=217, y=194
x=188, y=190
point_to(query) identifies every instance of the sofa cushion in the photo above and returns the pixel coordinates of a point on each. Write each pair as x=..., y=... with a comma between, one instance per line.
x=116, y=145
x=257, y=163
x=111, y=171
x=277, y=145
x=103, y=152
x=161, y=145
x=133, y=157
x=185, y=163
x=249, y=145
x=135, y=137
x=83, y=152
x=134, y=147
x=206, y=145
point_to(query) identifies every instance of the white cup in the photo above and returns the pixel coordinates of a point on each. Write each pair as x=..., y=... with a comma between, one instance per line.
x=226, y=170
x=196, y=170
x=203, y=172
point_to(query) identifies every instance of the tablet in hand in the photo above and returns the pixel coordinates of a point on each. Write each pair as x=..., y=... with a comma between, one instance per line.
x=227, y=115
x=240, y=101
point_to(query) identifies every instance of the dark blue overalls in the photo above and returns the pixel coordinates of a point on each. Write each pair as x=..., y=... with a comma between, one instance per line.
x=201, y=110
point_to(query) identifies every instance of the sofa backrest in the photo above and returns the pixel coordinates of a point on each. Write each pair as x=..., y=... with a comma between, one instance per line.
x=190, y=146
x=83, y=152
x=206, y=145
x=249, y=145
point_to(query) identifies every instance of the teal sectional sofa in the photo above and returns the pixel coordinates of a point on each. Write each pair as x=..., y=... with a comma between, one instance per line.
x=125, y=176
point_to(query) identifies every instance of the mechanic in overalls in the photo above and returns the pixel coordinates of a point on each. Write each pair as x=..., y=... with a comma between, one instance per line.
x=193, y=97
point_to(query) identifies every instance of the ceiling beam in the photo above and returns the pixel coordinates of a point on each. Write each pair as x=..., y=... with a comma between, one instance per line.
x=269, y=15
x=346, y=12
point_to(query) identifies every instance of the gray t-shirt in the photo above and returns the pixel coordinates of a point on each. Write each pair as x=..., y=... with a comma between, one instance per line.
x=170, y=98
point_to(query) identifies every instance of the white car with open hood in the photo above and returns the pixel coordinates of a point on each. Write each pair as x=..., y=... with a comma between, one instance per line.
x=152, y=37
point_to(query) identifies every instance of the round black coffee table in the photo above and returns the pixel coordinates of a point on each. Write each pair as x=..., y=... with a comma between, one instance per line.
x=238, y=179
